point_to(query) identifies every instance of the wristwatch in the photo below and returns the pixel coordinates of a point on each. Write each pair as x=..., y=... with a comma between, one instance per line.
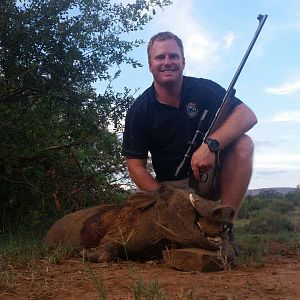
x=213, y=145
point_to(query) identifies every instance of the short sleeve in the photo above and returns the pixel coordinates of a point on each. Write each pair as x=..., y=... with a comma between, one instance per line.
x=217, y=93
x=135, y=144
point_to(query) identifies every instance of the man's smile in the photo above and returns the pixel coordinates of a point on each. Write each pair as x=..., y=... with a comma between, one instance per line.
x=168, y=70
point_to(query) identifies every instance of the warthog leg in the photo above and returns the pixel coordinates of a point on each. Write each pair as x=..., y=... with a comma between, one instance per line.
x=103, y=253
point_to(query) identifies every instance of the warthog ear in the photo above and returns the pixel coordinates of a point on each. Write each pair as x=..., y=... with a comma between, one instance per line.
x=146, y=200
x=143, y=200
x=212, y=210
x=223, y=213
x=166, y=192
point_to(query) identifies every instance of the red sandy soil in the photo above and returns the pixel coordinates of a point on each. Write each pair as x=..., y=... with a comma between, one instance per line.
x=277, y=278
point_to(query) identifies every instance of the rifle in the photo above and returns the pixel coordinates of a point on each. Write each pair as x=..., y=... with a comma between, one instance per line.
x=209, y=179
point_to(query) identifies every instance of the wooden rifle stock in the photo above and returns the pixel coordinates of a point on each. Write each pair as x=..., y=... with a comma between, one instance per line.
x=223, y=110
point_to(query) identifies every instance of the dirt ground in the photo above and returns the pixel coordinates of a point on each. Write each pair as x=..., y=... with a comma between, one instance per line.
x=277, y=278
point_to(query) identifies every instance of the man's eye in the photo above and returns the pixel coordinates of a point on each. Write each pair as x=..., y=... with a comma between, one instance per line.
x=174, y=56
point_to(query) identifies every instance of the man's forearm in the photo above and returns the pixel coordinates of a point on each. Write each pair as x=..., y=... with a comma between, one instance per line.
x=144, y=180
x=141, y=176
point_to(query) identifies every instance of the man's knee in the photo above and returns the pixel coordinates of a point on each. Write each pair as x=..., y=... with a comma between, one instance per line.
x=242, y=148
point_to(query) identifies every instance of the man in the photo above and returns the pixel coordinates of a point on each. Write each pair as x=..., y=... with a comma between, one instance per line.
x=164, y=118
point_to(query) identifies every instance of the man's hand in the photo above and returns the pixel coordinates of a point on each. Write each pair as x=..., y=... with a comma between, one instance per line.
x=203, y=160
x=240, y=120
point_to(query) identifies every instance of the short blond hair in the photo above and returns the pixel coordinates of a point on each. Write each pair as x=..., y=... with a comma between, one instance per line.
x=164, y=36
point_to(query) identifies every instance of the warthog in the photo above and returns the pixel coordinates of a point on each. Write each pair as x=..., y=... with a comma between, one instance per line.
x=148, y=223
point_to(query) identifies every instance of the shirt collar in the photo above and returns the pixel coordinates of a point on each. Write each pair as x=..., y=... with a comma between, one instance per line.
x=185, y=86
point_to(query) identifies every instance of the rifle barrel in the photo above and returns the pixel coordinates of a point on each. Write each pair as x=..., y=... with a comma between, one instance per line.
x=262, y=19
x=222, y=111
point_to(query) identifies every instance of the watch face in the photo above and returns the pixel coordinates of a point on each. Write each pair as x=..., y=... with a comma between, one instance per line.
x=213, y=145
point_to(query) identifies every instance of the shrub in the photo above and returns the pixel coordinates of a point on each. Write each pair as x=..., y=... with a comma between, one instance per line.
x=294, y=197
x=250, y=206
x=280, y=206
x=268, y=221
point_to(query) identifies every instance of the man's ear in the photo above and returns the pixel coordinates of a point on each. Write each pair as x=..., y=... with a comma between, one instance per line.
x=183, y=62
x=149, y=65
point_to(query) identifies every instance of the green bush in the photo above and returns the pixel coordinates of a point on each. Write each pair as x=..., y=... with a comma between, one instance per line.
x=268, y=221
x=294, y=197
x=252, y=206
x=280, y=206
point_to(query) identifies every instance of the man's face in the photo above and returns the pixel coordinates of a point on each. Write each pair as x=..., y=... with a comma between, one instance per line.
x=166, y=62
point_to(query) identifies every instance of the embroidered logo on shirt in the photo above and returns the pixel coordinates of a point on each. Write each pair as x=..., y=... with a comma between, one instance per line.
x=191, y=110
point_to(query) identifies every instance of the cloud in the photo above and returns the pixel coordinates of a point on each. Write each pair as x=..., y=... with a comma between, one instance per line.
x=271, y=172
x=281, y=124
x=277, y=161
x=229, y=37
x=266, y=144
x=285, y=88
x=287, y=116
x=200, y=52
x=271, y=179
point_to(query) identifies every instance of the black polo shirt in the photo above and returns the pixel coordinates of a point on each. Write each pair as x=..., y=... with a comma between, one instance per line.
x=165, y=131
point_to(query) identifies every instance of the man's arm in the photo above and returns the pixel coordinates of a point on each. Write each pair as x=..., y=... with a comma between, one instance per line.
x=140, y=175
x=238, y=122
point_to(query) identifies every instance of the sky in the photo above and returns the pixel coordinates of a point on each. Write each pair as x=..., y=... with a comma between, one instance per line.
x=216, y=34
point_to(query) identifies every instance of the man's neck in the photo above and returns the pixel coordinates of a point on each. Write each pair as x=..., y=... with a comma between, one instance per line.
x=168, y=94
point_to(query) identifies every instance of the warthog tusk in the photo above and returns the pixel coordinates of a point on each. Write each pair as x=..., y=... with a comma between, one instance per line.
x=192, y=200
x=199, y=226
x=216, y=239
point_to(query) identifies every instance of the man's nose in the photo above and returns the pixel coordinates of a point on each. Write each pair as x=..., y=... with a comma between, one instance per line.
x=167, y=60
